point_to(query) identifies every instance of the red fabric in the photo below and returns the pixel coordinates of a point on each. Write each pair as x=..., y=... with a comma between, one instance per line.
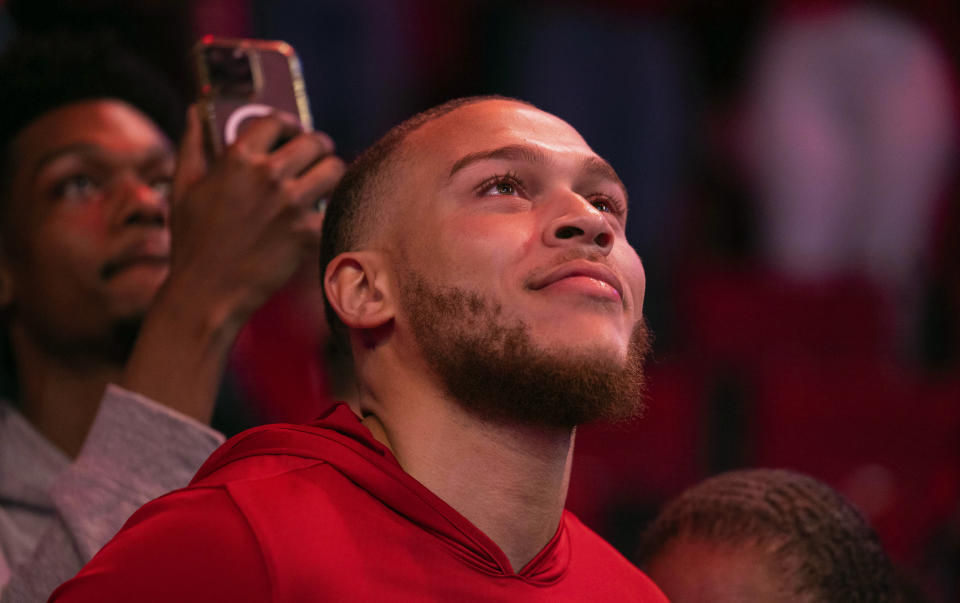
x=278, y=359
x=324, y=512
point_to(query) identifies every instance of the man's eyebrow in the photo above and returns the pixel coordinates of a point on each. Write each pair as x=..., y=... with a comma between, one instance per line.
x=513, y=151
x=599, y=168
x=593, y=165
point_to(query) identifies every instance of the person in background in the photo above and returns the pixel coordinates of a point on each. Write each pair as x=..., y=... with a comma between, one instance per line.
x=766, y=535
x=862, y=97
x=126, y=270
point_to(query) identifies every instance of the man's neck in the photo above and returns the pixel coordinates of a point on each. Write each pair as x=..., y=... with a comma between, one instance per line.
x=59, y=397
x=509, y=481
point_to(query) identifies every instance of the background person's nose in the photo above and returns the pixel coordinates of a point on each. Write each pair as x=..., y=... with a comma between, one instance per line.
x=140, y=203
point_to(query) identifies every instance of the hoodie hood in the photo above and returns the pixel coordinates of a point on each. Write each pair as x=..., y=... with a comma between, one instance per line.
x=339, y=439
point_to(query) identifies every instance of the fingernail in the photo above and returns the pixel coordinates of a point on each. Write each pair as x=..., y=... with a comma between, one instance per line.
x=289, y=118
x=325, y=140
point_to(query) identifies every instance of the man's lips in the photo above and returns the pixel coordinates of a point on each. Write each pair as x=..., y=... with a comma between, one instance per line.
x=591, y=275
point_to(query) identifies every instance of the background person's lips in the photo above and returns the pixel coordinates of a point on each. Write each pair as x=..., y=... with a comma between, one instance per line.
x=152, y=251
x=113, y=267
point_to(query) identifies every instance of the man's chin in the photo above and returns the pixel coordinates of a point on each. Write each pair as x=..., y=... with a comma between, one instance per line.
x=547, y=389
x=581, y=331
x=493, y=366
x=568, y=341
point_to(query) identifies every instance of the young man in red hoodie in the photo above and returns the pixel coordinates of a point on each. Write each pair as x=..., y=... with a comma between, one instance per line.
x=476, y=261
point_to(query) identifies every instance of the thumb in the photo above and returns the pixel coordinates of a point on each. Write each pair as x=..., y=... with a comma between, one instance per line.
x=191, y=160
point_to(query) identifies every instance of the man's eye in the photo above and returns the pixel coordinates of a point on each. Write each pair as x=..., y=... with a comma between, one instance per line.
x=607, y=205
x=602, y=205
x=504, y=185
x=76, y=188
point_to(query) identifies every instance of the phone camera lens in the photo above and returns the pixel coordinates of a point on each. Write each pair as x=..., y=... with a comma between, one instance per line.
x=230, y=71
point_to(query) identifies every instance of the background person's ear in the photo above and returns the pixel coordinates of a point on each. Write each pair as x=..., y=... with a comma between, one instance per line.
x=358, y=289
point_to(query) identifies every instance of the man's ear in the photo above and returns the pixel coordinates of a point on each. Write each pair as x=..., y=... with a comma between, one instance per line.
x=358, y=289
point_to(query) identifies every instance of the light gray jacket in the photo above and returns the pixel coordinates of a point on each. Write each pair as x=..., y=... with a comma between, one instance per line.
x=55, y=514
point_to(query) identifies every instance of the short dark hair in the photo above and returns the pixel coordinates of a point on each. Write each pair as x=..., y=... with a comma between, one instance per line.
x=42, y=72
x=826, y=546
x=353, y=207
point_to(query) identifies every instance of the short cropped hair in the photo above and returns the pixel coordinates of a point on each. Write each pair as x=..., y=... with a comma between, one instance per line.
x=353, y=206
x=43, y=72
x=828, y=549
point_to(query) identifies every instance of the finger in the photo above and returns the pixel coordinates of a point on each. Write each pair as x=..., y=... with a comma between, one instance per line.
x=300, y=153
x=312, y=222
x=191, y=160
x=310, y=225
x=260, y=134
x=319, y=180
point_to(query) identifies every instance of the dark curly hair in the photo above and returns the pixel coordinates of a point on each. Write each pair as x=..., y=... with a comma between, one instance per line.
x=42, y=72
x=827, y=549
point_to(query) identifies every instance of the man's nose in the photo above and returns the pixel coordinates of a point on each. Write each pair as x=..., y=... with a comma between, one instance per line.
x=140, y=203
x=577, y=222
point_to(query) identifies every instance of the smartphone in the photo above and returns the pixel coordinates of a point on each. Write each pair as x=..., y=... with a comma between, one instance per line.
x=242, y=78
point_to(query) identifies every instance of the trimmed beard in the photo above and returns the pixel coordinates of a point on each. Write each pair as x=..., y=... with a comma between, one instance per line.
x=491, y=366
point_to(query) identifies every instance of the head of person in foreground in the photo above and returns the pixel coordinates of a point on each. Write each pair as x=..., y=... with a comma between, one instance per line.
x=765, y=535
x=478, y=250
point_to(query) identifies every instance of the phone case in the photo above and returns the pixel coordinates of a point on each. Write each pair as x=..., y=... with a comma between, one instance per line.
x=243, y=78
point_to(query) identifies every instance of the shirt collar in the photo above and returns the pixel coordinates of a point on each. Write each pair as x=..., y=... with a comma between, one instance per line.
x=29, y=463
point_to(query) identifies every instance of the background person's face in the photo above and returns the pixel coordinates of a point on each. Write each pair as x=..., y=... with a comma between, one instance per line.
x=536, y=228
x=86, y=242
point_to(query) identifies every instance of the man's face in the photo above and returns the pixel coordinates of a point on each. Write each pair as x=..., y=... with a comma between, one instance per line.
x=86, y=241
x=506, y=213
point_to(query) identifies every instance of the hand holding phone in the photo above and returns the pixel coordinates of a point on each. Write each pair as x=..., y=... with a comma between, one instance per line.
x=244, y=218
x=242, y=222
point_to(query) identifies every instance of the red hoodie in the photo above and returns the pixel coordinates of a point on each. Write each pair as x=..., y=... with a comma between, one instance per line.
x=323, y=512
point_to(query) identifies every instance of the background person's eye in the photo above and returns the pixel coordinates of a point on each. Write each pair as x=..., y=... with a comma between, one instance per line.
x=76, y=188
